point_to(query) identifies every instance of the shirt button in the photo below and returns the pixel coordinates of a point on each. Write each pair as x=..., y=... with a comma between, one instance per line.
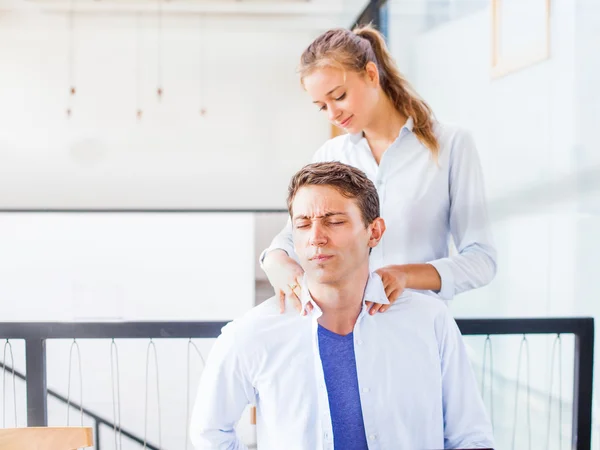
x=365, y=390
x=359, y=342
x=372, y=437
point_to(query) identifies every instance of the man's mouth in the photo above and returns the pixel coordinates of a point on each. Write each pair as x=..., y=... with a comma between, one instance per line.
x=321, y=258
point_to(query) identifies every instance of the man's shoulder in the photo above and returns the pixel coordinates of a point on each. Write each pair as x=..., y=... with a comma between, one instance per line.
x=420, y=307
x=269, y=310
x=422, y=316
x=420, y=302
x=262, y=321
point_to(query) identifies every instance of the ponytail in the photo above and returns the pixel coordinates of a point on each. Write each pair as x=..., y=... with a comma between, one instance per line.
x=399, y=90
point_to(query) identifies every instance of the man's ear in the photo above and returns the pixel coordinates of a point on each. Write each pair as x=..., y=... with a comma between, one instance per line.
x=377, y=229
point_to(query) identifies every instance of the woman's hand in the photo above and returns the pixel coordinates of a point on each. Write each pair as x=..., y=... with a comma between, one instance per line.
x=395, y=280
x=285, y=275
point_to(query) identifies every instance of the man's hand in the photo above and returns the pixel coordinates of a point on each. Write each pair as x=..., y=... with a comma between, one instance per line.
x=395, y=281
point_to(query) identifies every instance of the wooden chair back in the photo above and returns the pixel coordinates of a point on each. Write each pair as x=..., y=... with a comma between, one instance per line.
x=46, y=438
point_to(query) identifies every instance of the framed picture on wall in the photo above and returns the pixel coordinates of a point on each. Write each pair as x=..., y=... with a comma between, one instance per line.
x=520, y=34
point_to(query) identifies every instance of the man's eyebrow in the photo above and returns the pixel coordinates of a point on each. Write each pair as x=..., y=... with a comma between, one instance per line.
x=332, y=213
x=329, y=93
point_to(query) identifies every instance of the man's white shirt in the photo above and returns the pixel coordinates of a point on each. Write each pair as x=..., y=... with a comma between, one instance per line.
x=417, y=388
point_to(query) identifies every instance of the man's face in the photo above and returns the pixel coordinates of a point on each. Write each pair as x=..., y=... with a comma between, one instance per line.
x=330, y=236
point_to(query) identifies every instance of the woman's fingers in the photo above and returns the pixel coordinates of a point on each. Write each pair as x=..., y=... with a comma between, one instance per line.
x=295, y=296
x=389, y=284
x=281, y=302
x=309, y=308
x=389, y=289
x=395, y=295
x=375, y=308
x=291, y=291
x=295, y=293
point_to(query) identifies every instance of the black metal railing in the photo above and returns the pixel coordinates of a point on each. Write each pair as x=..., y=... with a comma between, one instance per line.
x=35, y=336
x=97, y=418
x=583, y=370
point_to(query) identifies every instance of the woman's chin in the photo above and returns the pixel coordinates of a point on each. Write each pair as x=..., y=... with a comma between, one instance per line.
x=352, y=130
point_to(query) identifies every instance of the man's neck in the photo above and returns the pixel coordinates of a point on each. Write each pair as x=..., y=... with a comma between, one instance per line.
x=341, y=302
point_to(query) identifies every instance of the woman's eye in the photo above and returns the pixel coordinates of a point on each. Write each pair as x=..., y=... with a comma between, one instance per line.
x=336, y=223
x=341, y=97
x=301, y=226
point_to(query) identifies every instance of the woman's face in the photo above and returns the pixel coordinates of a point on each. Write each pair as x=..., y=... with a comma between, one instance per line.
x=347, y=97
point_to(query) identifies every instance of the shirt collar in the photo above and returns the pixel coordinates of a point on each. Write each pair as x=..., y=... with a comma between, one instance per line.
x=374, y=292
x=409, y=125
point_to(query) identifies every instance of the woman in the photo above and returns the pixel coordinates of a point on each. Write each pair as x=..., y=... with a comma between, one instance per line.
x=427, y=174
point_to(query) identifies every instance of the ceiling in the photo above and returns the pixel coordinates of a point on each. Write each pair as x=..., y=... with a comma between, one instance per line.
x=263, y=7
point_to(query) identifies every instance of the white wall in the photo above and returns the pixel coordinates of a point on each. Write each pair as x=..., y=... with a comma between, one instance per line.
x=266, y=226
x=524, y=126
x=259, y=128
x=135, y=266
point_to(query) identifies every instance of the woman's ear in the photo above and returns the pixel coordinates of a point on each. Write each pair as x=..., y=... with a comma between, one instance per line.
x=372, y=73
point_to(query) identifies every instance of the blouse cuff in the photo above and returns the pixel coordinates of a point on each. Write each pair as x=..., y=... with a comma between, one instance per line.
x=446, y=276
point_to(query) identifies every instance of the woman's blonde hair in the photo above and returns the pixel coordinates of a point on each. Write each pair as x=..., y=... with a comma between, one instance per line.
x=353, y=50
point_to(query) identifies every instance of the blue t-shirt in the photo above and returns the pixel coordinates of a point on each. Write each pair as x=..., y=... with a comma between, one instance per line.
x=339, y=368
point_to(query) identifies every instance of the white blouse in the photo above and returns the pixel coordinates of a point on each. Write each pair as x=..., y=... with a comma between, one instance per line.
x=423, y=203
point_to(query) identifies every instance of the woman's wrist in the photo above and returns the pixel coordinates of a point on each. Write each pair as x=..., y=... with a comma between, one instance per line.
x=404, y=269
x=275, y=256
x=419, y=276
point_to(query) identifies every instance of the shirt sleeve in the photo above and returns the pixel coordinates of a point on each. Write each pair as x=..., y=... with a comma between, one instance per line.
x=475, y=264
x=283, y=240
x=224, y=391
x=466, y=424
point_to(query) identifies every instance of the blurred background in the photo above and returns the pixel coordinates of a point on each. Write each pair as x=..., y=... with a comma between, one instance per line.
x=145, y=151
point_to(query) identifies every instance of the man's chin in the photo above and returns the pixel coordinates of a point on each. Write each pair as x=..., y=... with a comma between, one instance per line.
x=322, y=276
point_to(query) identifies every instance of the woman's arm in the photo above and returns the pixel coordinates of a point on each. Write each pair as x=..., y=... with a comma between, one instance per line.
x=396, y=278
x=475, y=263
x=422, y=277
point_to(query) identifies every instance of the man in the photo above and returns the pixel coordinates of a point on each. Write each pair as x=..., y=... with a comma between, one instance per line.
x=339, y=377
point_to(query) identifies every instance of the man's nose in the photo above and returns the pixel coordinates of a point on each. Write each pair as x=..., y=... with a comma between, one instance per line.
x=318, y=236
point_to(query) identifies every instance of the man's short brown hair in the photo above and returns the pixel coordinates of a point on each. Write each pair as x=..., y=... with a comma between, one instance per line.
x=347, y=180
